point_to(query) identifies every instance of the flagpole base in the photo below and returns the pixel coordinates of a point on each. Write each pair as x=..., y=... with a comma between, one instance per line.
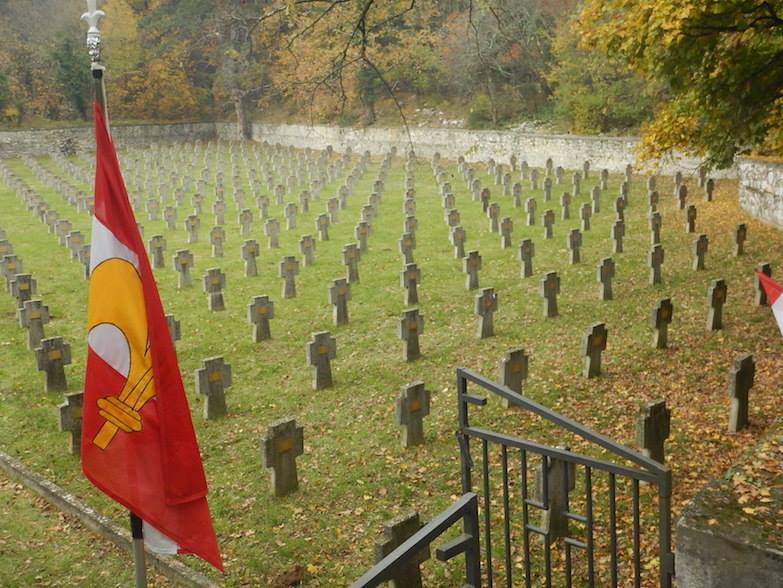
x=139, y=563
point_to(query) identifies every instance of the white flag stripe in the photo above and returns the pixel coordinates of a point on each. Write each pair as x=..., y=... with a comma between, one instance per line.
x=104, y=245
x=110, y=344
x=777, y=310
x=157, y=542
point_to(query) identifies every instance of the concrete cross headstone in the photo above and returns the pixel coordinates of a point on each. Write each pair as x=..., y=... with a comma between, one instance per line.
x=618, y=232
x=700, y=246
x=10, y=265
x=530, y=210
x=690, y=219
x=604, y=179
x=272, y=230
x=291, y=210
x=740, y=383
x=322, y=226
x=605, y=276
x=212, y=380
x=362, y=232
x=576, y=184
x=22, y=287
x=619, y=208
x=471, y=264
x=259, y=312
x=410, y=278
x=660, y=318
x=320, y=350
x=214, y=282
x=653, y=429
x=61, y=229
x=339, y=295
x=526, y=252
x=411, y=406
x=486, y=304
x=716, y=297
x=506, y=228
x=485, y=199
x=52, y=357
x=553, y=485
x=170, y=216
x=69, y=420
x=250, y=251
x=282, y=444
x=217, y=236
x=493, y=213
x=411, y=326
x=656, y=222
x=410, y=224
x=550, y=288
x=512, y=371
x=565, y=204
x=740, y=236
x=219, y=210
x=574, y=245
x=452, y=217
x=192, y=224
x=74, y=240
x=288, y=270
x=652, y=200
x=183, y=261
x=245, y=220
x=593, y=345
x=157, y=249
x=33, y=316
x=547, y=189
x=655, y=261
x=407, y=244
x=307, y=249
x=175, y=329
x=709, y=190
x=457, y=236
x=760, y=294
x=395, y=533
x=351, y=256
x=682, y=196
x=585, y=212
x=548, y=220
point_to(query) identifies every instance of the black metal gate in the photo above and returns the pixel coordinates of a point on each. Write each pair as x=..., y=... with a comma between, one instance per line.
x=601, y=523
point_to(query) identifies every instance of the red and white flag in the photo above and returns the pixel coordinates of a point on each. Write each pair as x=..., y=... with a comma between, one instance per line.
x=775, y=300
x=138, y=442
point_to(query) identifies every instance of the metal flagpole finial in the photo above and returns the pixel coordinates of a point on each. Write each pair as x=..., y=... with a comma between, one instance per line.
x=93, y=16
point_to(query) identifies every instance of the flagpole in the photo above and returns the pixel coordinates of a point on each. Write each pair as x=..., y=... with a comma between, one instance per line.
x=97, y=69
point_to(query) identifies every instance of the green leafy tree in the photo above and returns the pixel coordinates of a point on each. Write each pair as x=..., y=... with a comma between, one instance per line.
x=722, y=62
x=72, y=72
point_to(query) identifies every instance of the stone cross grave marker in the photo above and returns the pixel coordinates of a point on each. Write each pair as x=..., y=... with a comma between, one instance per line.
x=212, y=380
x=653, y=428
x=288, y=270
x=471, y=264
x=74, y=241
x=618, y=232
x=290, y=212
x=69, y=420
x=548, y=220
x=506, y=228
x=526, y=252
x=170, y=216
x=10, y=265
x=565, y=204
x=61, y=229
x=530, y=210
x=574, y=244
x=217, y=236
x=760, y=295
x=395, y=533
x=407, y=244
x=259, y=312
x=332, y=208
x=700, y=246
x=22, y=287
x=320, y=350
x=586, y=168
x=516, y=195
x=550, y=288
x=153, y=208
x=534, y=179
x=740, y=236
x=606, y=270
x=552, y=488
x=604, y=179
x=457, y=236
x=660, y=318
x=351, y=256
x=411, y=326
x=262, y=203
x=197, y=201
x=362, y=232
x=304, y=201
x=84, y=259
x=716, y=297
x=485, y=198
x=409, y=207
x=547, y=189
x=282, y=444
x=493, y=213
x=272, y=231
x=690, y=219
x=250, y=251
x=412, y=405
x=219, y=210
x=245, y=220
x=214, y=282
x=157, y=249
x=486, y=304
x=192, y=224
x=709, y=189
x=410, y=224
x=307, y=249
x=624, y=190
x=183, y=261
x=410, y=278
x=655, y=228
x=585, y=211
x=339, y=295
x=33, y=316
x=682, y=196
x=512, y=371
x=655, y=261
x=322, y=226
x=740, y=383
x=619, y=208
x=52, y=357
x=576, y=184
x=452, y=217
x=175, y=329
x=652, y=200
x=593, y=345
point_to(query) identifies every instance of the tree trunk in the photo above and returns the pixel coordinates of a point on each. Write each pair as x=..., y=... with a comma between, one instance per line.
x=244, y=127
x=493, y=107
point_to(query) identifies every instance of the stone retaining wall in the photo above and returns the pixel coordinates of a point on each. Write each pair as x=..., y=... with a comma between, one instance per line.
x=761, y=189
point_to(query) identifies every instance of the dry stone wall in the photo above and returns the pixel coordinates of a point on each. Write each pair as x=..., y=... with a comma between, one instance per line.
x=761, y=189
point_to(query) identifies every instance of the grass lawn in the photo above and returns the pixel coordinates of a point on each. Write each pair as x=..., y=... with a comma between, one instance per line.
x=354, y=474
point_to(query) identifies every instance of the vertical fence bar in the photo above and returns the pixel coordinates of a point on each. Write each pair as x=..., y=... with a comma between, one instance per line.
x=525, y=515
x=664, y=529
x=568, y=567
x=506, y=514
x=589, y=526
x=462, y=414
x=613, y=528
x=473, y=555
x=547, y=537
x=637, y=563
x=487, y=531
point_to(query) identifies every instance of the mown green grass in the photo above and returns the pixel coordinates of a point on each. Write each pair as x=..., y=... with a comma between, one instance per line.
x=354, y=475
